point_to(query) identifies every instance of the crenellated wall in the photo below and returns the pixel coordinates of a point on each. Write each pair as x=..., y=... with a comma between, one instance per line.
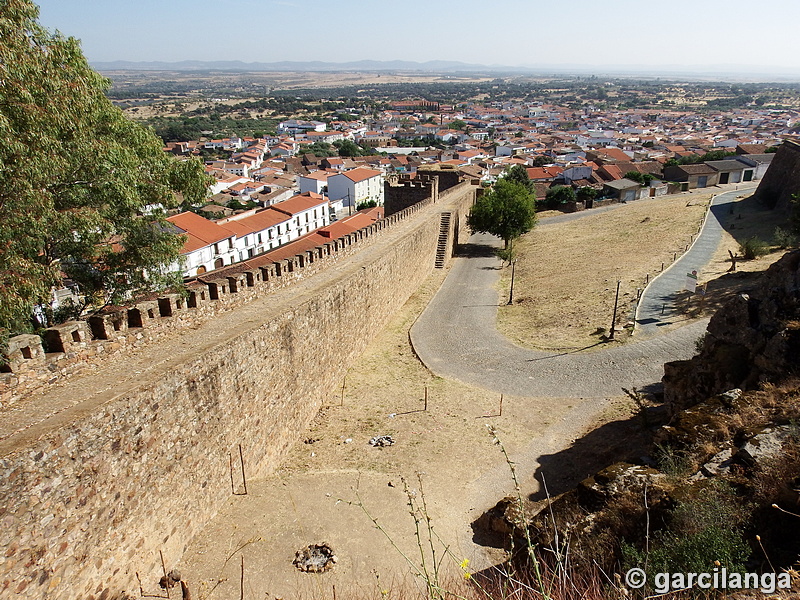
x=106, y=468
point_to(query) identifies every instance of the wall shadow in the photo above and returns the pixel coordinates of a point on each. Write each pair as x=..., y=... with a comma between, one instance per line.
x=470, y=250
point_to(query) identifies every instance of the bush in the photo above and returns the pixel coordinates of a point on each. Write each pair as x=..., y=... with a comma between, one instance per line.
x=784, y=238
x=753, y=248
x=701, y=531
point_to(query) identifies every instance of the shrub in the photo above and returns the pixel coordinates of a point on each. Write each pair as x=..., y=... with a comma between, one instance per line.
x=701, y=532
x=753, y=248
x=784, y=238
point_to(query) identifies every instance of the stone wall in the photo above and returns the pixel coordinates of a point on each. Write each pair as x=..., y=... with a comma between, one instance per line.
x=130, y=464
x=71, y=347
x=782, y=178
x=399, y=194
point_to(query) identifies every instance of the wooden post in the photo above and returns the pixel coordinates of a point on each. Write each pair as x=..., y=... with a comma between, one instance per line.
x=334, y=591
x=662, y=267
x=647, y=279
x=164, y=569
x=511, y=292
x=674, y=256
x=614, y=316
x=244, y=477
x=241, y=581
x=426, y=398
x=230, y=461
x=501, y=405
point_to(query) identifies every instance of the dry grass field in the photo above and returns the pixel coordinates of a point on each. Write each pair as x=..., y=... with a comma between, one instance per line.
x=566, y=273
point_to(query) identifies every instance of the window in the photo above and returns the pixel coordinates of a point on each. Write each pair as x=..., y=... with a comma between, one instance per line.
x=306, y=217
x=279, y=229
x=259, y=238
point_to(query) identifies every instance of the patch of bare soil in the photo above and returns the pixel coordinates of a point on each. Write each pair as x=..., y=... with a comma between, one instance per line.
x=333, y=482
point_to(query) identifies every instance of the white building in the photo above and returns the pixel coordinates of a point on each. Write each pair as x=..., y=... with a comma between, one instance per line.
x=208, y=246
x=315, y=182
x=356, y=186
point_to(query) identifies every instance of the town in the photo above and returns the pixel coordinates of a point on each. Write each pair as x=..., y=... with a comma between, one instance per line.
x=269, y=191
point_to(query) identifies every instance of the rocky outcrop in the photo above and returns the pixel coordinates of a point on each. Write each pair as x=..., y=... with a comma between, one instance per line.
x=753, y=338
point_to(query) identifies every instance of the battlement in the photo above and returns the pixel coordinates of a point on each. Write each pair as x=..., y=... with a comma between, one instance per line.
x=33, y=362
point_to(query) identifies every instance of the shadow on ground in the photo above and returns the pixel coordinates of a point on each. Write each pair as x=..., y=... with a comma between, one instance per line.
x=475, y=251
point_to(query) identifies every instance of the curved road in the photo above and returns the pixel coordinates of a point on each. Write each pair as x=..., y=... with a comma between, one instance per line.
x=660, y=295
x=455, y=337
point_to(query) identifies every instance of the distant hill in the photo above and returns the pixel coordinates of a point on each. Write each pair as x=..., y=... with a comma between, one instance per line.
x=434, y=66
x=718, y=72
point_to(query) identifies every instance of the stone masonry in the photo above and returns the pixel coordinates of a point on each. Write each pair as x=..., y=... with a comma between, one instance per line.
x=102, y=468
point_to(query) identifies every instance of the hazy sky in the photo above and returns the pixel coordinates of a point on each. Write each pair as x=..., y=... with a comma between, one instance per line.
x=508, y=32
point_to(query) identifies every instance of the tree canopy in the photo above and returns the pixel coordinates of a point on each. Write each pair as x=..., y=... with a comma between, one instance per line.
x=519, y=174
x=81, y=186
x=558, y=195
x=507, y=211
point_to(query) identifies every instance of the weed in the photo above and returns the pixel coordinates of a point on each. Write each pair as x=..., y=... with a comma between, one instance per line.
x=752, y=248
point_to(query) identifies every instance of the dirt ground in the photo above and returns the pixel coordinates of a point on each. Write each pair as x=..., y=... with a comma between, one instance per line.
x=559, y=307
x=314, y=497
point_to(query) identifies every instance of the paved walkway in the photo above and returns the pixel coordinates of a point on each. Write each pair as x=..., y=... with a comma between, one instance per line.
x=455, y=337
x=657, y=306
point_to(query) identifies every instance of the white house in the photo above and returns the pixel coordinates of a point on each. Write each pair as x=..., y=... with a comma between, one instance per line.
x=307, y=211
x=314, y=182
x=293, y=126
x=208, y=246
x=356, y=186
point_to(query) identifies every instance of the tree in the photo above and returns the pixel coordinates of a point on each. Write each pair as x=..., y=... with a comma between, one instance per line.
x=81, y=187
x=348, y=148
x=640, y=178
x=541, y=161
x=519, y=174
x=586, y=193
x=458, y=125
x=320, y=149
x=558, y=195
x=507, y=211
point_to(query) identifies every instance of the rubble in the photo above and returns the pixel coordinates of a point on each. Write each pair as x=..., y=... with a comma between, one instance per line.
x=381, y=441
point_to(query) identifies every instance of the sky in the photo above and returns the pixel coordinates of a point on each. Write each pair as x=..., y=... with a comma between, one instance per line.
x=732, y=35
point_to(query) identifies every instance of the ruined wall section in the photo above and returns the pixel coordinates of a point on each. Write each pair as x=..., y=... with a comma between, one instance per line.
x=91, y=495
x=782, y=179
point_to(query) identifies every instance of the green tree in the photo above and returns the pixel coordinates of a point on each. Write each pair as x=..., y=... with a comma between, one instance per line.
x=507, y=211
x=81, y=186
x=558, y=195
x=519, y=174
x=320, y=149
x=640, y=178
x=586, y=193
x=458, y=125
x=348, y=148
x=541, y=161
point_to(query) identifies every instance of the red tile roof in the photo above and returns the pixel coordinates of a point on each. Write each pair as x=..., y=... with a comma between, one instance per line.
x=361, y=174
x=298, y=204
x=200, y=232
